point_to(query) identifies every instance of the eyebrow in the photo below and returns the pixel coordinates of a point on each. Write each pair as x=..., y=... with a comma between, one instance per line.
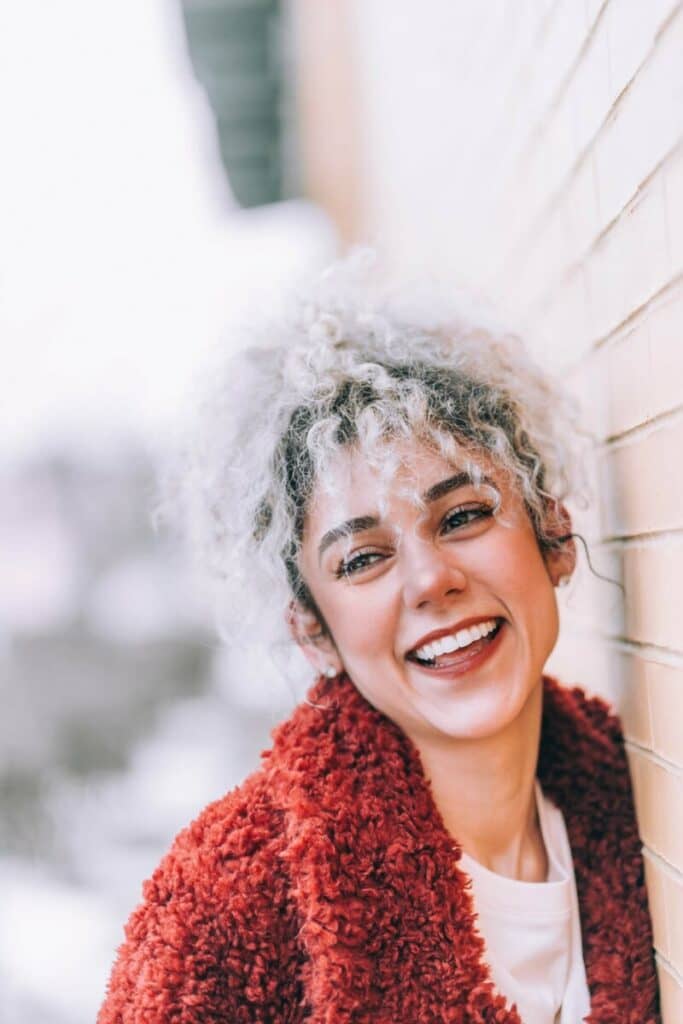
x=361, y=523
x=463, y=479
x=346, y=529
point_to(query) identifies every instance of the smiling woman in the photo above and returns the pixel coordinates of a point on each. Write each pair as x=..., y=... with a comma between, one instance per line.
x=454, y=582
x=440, y=832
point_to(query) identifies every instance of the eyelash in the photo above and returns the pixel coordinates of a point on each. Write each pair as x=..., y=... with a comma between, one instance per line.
x=475, y=511
x=356, y=563
x=362, y=559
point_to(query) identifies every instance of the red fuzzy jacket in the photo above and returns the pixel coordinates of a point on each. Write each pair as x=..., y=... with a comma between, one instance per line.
x=327, y=889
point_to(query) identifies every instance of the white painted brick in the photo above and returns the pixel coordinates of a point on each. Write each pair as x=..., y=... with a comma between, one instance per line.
x=650, y=261
x=649, y=697
x=576, y=291
x=548, y=252
x=655, y=882
x=587, y=517
x=665, y=896
x=605, y=282
x=658, y=792
x=587, y=381
x=673, y=889
x=631, y=696
x=643, y=375
x=562, y=126
x=652, y=575
x=590, y=88
x=644, y=249
x=627, y=382
x=671, y=994
x=673, y=190
x=662, y=85
x=519, y=32
x=665, y=701
x=559, y=49
x=614, y=177
x=593, y=8
x=643, y=482
x=581, y=210
x=631, y=30
x=562, y=321
x=523, y=194
x=665, y=329
x=576, y=317
x=631, y=262
x=644, y=126
x=534, y=97
x=594, y=605
x=546, y=181
x=627, y=43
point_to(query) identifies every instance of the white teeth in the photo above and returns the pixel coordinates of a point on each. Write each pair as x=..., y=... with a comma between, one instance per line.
x=455, y=641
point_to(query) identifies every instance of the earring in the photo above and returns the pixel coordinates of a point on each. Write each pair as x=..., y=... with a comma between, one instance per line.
x=330, y=672
x=563, y=580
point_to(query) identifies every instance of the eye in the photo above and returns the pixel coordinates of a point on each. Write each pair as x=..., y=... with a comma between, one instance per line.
x=356, y=563
x=464, y=515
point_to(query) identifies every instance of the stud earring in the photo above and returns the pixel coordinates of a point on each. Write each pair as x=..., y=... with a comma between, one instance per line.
x=563, y=580
x=330, y=672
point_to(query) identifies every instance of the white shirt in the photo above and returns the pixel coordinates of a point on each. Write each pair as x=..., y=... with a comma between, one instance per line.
x=532, y=930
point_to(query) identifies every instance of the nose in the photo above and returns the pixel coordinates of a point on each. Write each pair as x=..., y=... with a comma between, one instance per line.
x=430, y=575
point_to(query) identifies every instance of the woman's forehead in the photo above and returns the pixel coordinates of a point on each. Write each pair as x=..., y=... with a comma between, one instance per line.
x=354, y=482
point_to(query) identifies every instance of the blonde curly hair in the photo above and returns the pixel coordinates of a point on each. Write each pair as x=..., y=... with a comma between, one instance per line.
x=351, y=364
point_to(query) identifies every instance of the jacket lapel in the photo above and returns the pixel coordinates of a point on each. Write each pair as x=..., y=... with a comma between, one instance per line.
x=583, y=769
x=386, y=916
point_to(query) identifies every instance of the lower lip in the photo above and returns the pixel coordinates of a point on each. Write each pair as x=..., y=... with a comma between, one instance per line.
x=466, y=662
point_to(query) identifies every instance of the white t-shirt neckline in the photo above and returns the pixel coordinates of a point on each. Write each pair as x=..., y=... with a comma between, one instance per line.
x=532, y=930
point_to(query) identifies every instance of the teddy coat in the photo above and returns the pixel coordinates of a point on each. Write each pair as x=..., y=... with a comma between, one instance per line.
x=327, y=889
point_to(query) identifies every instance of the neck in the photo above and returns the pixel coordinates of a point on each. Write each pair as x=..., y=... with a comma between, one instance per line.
x=492, y=809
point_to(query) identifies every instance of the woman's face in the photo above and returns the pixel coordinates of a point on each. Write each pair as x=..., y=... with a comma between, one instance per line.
x=442, y=613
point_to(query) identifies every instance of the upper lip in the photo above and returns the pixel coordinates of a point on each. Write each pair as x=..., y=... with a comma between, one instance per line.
x=436, y=634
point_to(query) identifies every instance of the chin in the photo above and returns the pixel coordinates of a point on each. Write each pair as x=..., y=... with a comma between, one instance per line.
x=479, y=714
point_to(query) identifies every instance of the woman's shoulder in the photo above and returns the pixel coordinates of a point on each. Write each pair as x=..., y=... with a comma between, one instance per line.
x=219, y=892
x=232, y=830
x=582, y=744
x=574, y=708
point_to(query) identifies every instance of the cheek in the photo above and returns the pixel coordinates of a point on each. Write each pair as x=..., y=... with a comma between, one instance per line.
x=534, y=596
x=521, y=576
x=362, y=619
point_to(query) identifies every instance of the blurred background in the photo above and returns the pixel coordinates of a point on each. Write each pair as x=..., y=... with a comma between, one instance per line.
x=168, y=167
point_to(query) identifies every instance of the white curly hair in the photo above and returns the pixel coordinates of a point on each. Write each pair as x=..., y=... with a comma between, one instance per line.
x=351, y=363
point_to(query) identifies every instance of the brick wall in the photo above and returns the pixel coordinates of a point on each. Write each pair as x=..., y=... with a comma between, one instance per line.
x=533, y=152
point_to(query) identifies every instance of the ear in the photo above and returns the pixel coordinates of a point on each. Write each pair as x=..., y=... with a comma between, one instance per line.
x=313, y=639
x=560, y=559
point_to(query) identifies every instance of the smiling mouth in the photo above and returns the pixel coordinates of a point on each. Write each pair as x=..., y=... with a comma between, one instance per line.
x=458, y=648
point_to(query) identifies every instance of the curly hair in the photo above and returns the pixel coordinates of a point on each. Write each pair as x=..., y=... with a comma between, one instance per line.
x=350, y=364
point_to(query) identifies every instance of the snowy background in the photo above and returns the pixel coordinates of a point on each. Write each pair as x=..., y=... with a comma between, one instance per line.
x=124, y=258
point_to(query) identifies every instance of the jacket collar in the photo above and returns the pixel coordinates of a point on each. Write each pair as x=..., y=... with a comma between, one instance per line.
x=386, y=916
